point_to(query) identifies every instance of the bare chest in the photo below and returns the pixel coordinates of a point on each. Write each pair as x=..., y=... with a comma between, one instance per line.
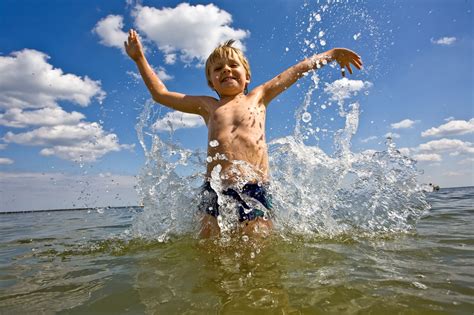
x=237, y=118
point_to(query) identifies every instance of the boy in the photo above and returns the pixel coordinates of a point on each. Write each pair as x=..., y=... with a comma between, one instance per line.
x=237, y=150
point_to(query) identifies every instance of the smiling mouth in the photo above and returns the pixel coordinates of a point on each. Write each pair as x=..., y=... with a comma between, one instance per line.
x=228, y=79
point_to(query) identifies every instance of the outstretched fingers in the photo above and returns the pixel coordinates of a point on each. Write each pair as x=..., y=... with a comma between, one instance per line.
x=349, y=57
x=357, y=62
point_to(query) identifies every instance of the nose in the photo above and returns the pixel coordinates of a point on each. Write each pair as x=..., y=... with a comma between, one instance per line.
x=226, y=68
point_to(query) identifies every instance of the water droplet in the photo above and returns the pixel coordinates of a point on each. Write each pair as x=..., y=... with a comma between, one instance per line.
x=323, y=106
x=306, y=117
x=287, y=49
x=245, y=238
x=322, y=42
x=356, y=36
x=209, y=159
x=214, y=143
x=321, y=34
x=317, y=17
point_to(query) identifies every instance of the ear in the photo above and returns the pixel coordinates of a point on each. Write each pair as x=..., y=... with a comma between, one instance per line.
x=247, y=79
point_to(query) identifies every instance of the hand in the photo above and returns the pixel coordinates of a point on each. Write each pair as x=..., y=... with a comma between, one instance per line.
x=345, y=58
x=133, y=47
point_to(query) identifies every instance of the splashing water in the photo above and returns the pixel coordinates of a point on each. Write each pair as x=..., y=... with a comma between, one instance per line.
x=314, y=193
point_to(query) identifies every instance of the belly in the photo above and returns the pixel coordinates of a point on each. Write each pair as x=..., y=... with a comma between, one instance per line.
x=241, y=158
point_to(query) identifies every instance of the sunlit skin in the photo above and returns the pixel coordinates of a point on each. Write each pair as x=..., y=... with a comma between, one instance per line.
x=235, y=120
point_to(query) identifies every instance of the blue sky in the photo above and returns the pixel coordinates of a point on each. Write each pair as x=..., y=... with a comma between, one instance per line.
x=70, y=98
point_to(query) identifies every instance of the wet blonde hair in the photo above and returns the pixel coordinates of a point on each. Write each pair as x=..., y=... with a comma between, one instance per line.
x=225, y=51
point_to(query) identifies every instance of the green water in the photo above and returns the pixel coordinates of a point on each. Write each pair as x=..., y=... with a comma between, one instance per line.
x=77, y=262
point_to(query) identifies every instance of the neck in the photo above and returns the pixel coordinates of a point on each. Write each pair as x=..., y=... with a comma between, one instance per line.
x=226, y=98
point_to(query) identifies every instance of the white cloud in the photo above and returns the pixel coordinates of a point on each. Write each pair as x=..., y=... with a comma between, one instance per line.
x=30, y=89
x=449, y=118
x=6, y=161
x=82, y=142
x=406, y=123
x=29, y=81
x=432, y=157
x=110, y=31
x=453, y=127
x=447, y=145
x=392, y=135
x=344, y=88
x=446, y=41
x=368, y=139
x=177, y=120
x=161, y=72
x=187, y=32
x=170, y=59
x=134, y=75
x=18, y=118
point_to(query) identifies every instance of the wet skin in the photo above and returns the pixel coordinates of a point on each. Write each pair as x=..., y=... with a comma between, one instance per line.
x=235, y=120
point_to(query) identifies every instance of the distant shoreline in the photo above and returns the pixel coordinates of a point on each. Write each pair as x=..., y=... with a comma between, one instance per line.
x=138, y=207
x=71, y=209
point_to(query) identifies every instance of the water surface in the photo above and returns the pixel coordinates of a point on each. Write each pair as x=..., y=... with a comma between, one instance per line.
x=80, y=262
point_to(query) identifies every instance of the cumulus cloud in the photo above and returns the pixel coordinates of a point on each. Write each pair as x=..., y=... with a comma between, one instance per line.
x=5, y=161
x=187, y=32
x=445, y=41
x=451, y=128
x=344, y=88
x=432, y=157
x=109, y=29
x=19, y=118
x=404, y=124
x=160, y=72
x=29, y=81
x=30, y=92
x=82, y=142
x=447, y=146
x=178, y=120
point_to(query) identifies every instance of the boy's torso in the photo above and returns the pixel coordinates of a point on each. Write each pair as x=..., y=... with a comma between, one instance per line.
x=236, y=139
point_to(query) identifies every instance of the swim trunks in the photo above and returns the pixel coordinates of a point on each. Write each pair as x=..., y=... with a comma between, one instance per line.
x=248, y=209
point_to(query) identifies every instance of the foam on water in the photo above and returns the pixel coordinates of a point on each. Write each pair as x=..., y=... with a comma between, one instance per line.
x=314, y=193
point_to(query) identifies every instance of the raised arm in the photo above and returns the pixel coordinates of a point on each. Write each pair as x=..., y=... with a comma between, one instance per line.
x=158, y=91
x=344, y=57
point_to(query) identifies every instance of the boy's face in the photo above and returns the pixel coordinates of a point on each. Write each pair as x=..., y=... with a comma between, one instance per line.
x=229, y=77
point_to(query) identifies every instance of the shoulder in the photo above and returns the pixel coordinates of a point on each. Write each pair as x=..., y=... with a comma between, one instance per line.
x=206, y=104
x=258, y=94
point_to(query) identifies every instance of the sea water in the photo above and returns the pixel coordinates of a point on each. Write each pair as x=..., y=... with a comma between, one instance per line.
x=354, y=231
x=75, y=262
